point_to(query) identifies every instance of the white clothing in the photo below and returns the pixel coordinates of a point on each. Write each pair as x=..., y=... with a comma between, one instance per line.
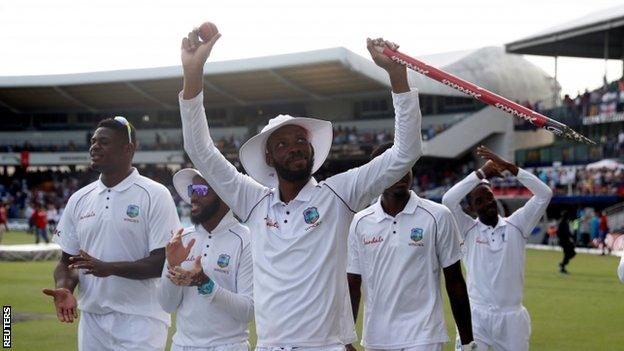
x=495, y=257
x=221, y=317
x=120, y=224
x=400, y=260
x=300, y=248
x=507, y=330
x=120, y=332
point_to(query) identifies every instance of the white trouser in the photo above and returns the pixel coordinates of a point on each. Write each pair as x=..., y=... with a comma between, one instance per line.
x=240, y=346
x=427, y=347
x=303, y=348
x=507, y=329
x=120, y=332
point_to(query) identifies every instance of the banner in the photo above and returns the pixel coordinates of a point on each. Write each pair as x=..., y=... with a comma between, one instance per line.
x=83, y=158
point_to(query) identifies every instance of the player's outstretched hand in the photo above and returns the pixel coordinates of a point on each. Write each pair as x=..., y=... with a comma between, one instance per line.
x=375, y=48
x=91, y=265
x=65, y=304
x=500, y=163
x=175, y=251
x=195, y=52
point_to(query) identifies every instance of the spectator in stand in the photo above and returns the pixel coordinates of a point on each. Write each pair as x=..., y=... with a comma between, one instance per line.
x=565, y=241
x=53, y=217
x=3, y=220
x=40, y=222
x=604, y=230
x=594, y=227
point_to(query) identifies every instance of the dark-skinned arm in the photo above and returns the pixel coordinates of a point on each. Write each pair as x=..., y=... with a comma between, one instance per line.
x=65, y=281
x=458, y=297
x=145, y=268
x=355, y=282
x=64, y=277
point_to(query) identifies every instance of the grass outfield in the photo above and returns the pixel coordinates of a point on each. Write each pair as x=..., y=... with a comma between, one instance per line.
x=582, y=311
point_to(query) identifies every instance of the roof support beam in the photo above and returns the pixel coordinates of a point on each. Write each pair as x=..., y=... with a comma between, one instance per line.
x=294, y=86
x=239, y=101
x=148, y=96
x=11, y=108
x=73, y=99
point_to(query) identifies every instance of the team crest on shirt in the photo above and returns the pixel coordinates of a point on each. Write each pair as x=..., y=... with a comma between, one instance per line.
x=311, y=215
x=132, y=211
x=223, y=260
x=416, y=235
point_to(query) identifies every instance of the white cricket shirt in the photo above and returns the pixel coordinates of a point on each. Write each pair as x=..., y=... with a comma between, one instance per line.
x=300, y=248
x=400, y=260
x=221, y=317
x=495, y=257
x=119, y=224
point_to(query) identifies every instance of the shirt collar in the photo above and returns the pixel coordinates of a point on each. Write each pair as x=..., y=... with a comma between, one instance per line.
x=304, y=195
x=227, y=222
x=484, y=227
x=123, y=185
x=409, y=209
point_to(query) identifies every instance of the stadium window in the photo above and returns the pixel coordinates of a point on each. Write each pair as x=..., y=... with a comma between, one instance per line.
x=372, y=109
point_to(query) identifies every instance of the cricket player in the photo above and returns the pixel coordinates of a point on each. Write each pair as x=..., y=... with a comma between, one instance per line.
x=397, y=248
x=113, y=234
x=213, y=311
x=299, y=226
x=495, y=253
x=621, y=269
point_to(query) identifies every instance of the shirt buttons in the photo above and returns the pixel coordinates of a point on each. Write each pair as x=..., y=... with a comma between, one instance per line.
x=394, y=232
x=107, y=198
x=285, y=221
x=209, y=236
x=107, y=207
x=205, y=255
x=109, y=190
x=287, y=212
x=394, y=222
x=207, y=245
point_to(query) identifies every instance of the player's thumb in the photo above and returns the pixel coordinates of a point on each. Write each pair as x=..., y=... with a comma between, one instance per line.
x=49, y=292
x=198, y=261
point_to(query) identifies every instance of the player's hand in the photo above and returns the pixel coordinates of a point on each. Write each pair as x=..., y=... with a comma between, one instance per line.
x=175, y=251
x=65, y=303
x=91, y=265
x=501, y=164
x=375, y=48
x=349, y=347
x=192, y=277
x=195, y=52
x=491, y=169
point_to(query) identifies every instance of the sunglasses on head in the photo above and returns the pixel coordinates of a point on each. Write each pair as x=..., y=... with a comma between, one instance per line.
x=124, y=122
x=199, y=189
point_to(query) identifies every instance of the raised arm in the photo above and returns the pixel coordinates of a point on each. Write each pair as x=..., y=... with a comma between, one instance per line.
x=359, y=186
x=528, y=215
x=453, y=197
x=238, y=191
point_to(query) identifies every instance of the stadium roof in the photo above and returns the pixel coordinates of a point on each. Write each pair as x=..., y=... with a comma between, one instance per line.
x=306, y=76
x=583, y=37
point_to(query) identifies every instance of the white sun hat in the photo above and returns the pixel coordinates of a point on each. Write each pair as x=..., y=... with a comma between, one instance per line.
x=252, y=153
x=182, y=179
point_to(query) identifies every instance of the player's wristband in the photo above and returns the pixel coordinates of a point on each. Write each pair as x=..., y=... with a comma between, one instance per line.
x=469, y=347
x=481, y=174
x=206, y=288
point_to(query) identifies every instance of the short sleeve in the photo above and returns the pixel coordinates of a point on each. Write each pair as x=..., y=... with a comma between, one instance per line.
x=65, y=234
x=353, y=260
x=163, y=219
x=448, y=241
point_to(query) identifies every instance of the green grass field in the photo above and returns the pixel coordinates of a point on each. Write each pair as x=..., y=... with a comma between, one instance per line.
x=582, y=311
